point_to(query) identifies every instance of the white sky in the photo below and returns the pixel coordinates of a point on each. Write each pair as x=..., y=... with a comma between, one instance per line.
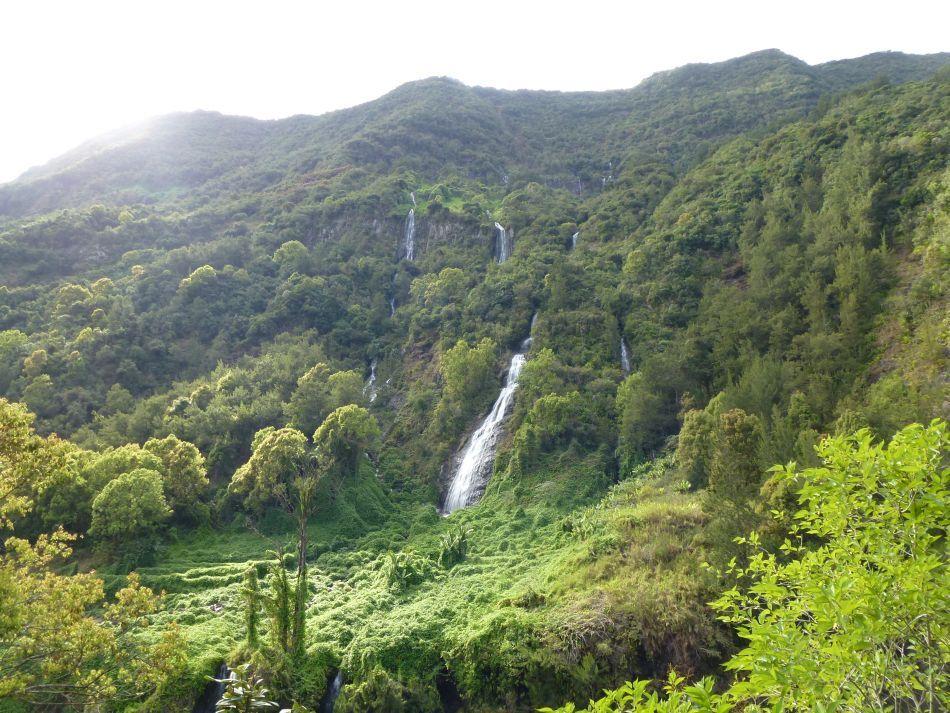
x=72, y=69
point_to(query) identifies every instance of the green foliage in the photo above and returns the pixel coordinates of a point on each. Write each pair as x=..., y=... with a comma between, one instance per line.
x=244, y=692
x=776, y=262
x=379, y=692
x=344, y=436
x=637, y=407
x=468, y=379
x=694, y=446
x=676, y=697
x=183, y=471
x=106, y=467
x=280, y=458
x=859, y=621
x=252, y=602
x=404, y=568
x=130, y=506
x=855, y=622
x=735, y=468
x=452, y=547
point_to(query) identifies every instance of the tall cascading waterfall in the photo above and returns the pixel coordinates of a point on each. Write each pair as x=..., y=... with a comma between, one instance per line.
x=478, y=457
x=503, y=243
x=477, y=460
x=370, y=388
x=392, y=306
x=624, y=356
x=574, y=238
x=409, y=237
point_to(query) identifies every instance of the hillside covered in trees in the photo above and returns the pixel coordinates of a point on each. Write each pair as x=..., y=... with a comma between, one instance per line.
x=478, y=400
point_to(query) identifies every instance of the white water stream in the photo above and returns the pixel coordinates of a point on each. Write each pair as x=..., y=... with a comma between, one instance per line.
x=624, y=356
x=370, y=388
x=409, y=237
x=503, y=244
x=478, y=458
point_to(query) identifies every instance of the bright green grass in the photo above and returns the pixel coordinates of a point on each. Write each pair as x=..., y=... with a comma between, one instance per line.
x=505, y=618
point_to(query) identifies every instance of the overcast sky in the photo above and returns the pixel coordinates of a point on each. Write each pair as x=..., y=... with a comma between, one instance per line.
x=70, y=70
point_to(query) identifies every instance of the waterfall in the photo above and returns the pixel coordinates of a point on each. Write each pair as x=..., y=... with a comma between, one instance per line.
x=413, y=196
x=333, y=690
x=392, y=306
x=475, y=466
x=503, y=244
x=574, y=240
x=208, y=702
x=409, y=238
x=624, y=356
x=370, y=388
x=526, y=344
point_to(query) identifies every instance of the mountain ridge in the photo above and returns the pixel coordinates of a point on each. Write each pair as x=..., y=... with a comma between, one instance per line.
x=523, y=123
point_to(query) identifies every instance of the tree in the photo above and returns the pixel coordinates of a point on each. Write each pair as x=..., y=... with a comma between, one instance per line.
x=110, y=464
x=184, y=475
x=12, y=347
x=284, y=469
x=858, y=623
x=637, y=406
x=251, y=595
x=309, y=404
x=345, y=387
x=292, y=257
x=131, y=505
x=62, y=645
x=469, y=378
x=694, y=446
x=468, y=371
x=27, y=461
x=344, y=436
x=735, y=470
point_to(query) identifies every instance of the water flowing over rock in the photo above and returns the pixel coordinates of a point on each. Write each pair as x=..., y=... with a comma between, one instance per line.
x=624, y=356
x=369, y=390
x=526, y=344
x=333, y=691
x=503, y=243
x=213, y=691
x=478, y=456
x=413, y=196
x=574, y=240
x=409, y=238
x=392, y=306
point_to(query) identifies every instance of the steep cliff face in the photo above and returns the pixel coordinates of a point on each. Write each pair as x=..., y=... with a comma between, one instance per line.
x=384, y=235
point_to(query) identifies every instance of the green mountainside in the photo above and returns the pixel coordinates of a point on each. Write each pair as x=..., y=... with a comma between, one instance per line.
x=717, y=270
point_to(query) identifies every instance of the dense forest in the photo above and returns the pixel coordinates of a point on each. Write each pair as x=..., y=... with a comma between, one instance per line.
x=478, y=400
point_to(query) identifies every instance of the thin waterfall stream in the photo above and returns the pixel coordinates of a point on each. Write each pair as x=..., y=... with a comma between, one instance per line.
x=208, y=702
x=409, y=236
x=332, y=692
x=624, y=356
x=369, y=389
x=502, y=243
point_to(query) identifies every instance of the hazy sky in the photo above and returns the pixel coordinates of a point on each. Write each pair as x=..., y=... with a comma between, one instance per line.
x=74, y=69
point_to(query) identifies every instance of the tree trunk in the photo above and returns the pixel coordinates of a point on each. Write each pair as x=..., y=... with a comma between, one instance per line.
x=300, y=599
